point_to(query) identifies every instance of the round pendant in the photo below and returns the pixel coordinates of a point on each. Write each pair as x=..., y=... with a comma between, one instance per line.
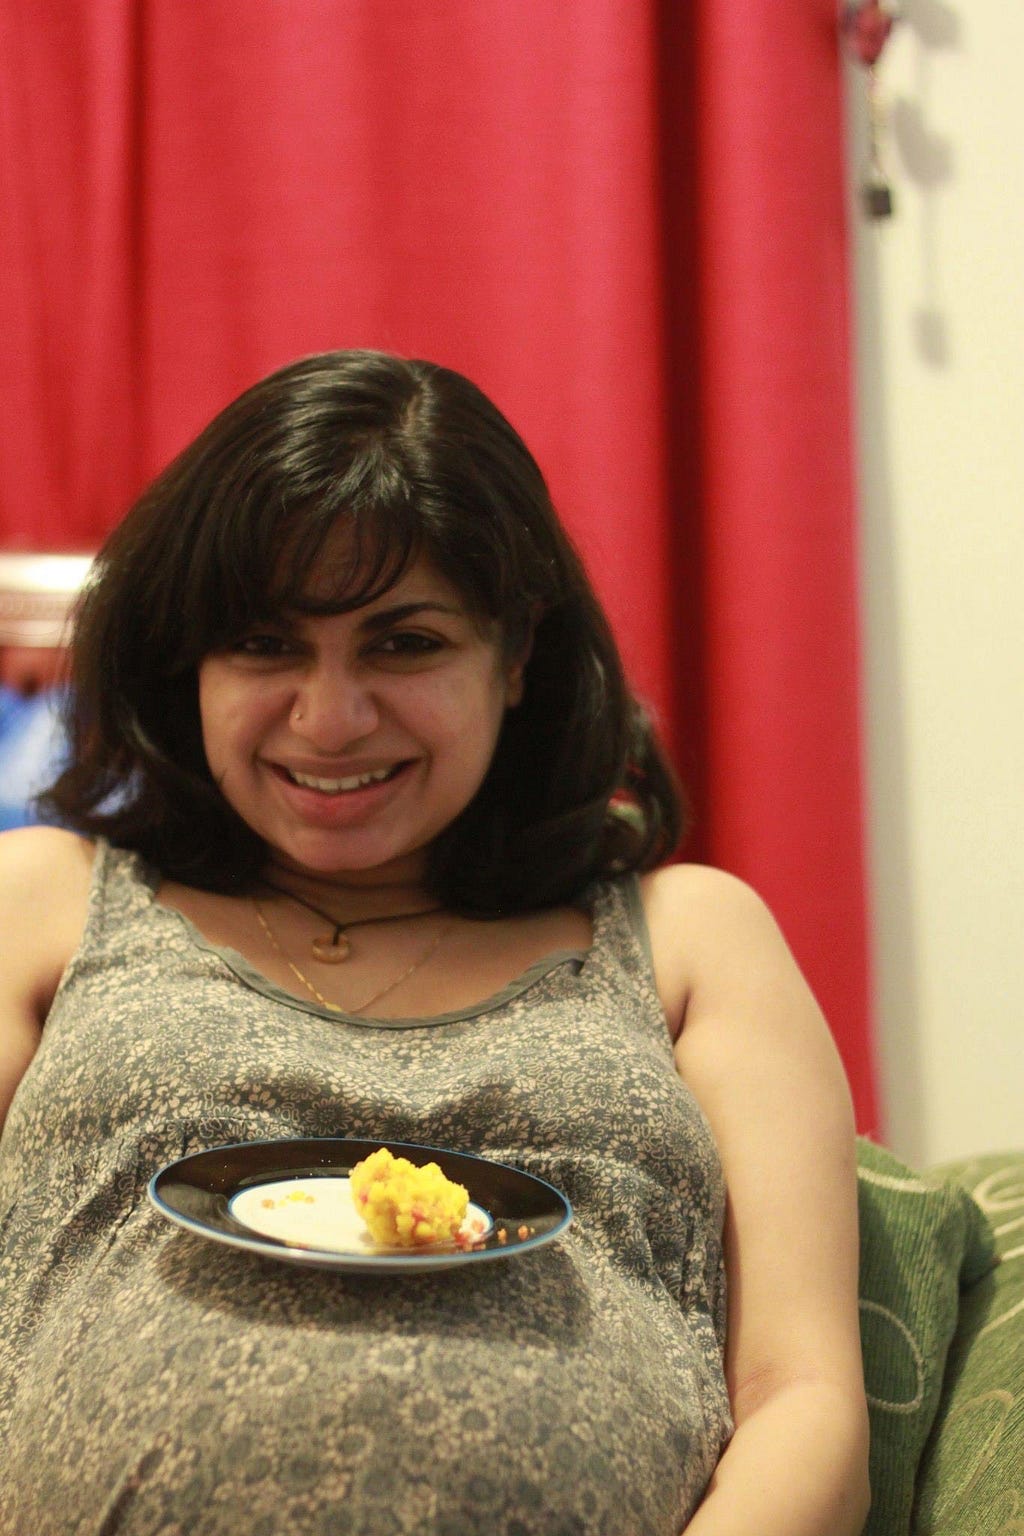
x=331, y=950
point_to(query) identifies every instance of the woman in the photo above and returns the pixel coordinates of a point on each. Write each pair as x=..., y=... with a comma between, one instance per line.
x=374, y=842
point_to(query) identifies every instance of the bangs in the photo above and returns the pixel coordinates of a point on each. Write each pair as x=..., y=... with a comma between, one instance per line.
x=343, y=563
x=343, y=545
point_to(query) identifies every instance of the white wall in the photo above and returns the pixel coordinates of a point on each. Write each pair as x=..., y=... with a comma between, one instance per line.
x=940, y=302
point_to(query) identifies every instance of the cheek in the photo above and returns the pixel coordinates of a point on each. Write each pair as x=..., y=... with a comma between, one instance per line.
x=465, y=716
x=232, y=718
x=210, y=714
x=474, y=744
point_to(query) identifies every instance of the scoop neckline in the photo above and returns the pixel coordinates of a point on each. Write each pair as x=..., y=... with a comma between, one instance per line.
x=252, y=977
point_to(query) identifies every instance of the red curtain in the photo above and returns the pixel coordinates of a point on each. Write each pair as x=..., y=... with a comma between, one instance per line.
x=623, y=218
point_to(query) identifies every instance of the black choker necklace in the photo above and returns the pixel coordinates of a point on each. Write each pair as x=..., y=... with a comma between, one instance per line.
x=335, y=947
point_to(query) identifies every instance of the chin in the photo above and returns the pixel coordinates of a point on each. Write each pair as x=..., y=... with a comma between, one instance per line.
x=333, y=862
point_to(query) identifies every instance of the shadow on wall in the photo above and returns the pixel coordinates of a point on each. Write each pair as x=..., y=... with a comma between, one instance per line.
x=927, y=160
x=897, y=978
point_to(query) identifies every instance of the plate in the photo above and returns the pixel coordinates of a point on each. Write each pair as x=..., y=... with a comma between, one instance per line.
x=319, y=1211
x=218, y=1195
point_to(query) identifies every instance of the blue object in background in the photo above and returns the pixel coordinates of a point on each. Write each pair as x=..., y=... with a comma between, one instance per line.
x=32, y=752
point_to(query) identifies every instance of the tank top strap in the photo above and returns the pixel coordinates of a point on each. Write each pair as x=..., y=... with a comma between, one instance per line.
x=121, y=895
x=621, y=939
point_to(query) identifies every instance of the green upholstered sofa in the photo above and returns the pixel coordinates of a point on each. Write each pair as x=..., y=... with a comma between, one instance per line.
x=942, y=1326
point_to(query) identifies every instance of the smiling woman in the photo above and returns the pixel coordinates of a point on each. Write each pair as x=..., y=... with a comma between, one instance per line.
x=362, y=835
x=348, y=742
x=313, y=496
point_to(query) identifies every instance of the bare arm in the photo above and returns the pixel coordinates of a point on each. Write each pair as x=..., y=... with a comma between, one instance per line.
x=44, y=883
x=757, y=1054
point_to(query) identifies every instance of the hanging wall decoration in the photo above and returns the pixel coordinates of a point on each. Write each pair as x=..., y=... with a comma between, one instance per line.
x=866, y=26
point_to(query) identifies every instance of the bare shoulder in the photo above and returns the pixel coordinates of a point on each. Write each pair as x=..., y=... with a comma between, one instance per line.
x=45, y=855
x=44, y=891
x=723, y=962
x=701, y=894
x=45, y=874
x=702, y=923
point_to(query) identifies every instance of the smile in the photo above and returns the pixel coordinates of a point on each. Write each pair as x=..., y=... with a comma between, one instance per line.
x=341, y=786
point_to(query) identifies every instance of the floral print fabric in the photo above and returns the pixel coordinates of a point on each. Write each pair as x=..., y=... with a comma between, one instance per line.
x=155, y=1384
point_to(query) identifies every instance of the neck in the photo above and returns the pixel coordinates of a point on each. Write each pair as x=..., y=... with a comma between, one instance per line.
x=332, y=892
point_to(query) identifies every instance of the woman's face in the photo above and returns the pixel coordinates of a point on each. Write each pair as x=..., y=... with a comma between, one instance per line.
x=349, y=742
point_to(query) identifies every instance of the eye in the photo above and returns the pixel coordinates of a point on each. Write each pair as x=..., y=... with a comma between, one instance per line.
x=262, y=645
x=408, y=644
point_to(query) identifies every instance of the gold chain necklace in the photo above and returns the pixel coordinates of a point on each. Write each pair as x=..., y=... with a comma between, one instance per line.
x=334, y=948
x=368, y=1002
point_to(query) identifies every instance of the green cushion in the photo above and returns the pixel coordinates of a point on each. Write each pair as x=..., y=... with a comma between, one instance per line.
x=922, y=1238
x=971, y=1478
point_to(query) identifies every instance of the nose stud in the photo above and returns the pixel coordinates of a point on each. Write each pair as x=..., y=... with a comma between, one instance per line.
x=297, y=713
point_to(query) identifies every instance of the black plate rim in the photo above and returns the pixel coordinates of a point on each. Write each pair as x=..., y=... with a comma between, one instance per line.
x=315, y=1258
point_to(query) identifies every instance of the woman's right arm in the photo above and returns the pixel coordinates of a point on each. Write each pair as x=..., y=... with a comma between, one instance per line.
x=44, y=892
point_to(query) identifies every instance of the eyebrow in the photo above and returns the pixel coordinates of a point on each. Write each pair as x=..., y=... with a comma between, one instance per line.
x=382, y=618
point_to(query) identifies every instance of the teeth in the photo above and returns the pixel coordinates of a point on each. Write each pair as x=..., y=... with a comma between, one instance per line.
x=340, y=786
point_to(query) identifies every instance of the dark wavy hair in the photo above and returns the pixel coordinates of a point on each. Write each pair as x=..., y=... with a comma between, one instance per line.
x=414, y=460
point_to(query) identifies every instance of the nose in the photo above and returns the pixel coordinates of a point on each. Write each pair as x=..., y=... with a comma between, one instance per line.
x=332, y=709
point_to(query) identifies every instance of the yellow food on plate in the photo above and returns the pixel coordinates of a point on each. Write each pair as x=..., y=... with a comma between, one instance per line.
x=406, y=1206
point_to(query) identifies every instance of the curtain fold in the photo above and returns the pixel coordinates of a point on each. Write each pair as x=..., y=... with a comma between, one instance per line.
x=783, y=752
x=623, y=218
x=69, y=417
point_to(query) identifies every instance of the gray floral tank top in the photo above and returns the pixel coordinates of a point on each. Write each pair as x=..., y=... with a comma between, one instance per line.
x=153, y=1383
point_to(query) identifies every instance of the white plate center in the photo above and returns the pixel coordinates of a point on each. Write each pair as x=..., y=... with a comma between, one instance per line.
x=320, y=1213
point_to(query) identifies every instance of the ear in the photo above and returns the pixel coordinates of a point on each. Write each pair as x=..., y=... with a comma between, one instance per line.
x=515, y=684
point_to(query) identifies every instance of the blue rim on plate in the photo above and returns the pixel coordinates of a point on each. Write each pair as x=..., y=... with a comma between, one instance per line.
x=196, y=1191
